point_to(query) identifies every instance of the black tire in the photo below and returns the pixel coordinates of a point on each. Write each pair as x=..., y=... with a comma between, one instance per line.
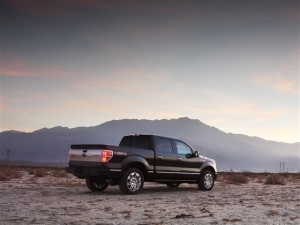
x=131, y=182
x=95, y=184
x=206, y=181
x=173, y=185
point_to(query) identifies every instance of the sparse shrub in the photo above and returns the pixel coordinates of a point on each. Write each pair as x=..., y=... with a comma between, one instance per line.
x=247, y=173
x=259, y=180
x=15, y=174
x=33, y=179
x=275, y=179
x=30, y=171
x=59, y=173
x=40, y=172
x=221, y=178
x=232, y=220
x=290, y=178
x=108, y=208
x=8, y=173
x=295, y=217
x=272, y=213
x=4, y=177
x=237, y=179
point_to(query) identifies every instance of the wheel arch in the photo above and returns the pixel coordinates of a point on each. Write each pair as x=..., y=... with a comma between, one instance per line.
x=137, y=162
x=209, y=166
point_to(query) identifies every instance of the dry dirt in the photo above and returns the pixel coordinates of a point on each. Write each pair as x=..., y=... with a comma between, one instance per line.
x=66, y=200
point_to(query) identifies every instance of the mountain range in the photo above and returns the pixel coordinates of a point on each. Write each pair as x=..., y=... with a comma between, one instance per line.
x=231, y=151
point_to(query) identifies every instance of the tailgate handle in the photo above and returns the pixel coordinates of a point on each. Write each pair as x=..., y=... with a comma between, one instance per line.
x=84, y=150
x=159, y=157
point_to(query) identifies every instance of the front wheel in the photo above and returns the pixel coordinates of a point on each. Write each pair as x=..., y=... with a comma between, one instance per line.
x=95, y=184
x=173, y=185
x=206, y=181
x=131, y=181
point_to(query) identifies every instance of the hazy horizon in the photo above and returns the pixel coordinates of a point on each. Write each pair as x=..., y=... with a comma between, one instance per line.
x=233, y=65
x=141, y=120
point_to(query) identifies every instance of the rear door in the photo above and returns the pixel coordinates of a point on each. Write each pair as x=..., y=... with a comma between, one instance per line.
x=165, y=162
x=188, y=167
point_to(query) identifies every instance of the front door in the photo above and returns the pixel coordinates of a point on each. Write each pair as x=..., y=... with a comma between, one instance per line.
x=188, y=167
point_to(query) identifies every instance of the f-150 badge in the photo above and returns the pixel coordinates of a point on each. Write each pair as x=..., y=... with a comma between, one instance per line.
x=120, y=153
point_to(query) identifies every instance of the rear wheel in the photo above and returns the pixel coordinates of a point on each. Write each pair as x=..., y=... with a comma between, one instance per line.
x=173, y=185
x=206, y=181
x=95, y=184
x=131, y=181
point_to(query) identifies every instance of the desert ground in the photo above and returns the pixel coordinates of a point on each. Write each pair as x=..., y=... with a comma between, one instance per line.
x=31, y=195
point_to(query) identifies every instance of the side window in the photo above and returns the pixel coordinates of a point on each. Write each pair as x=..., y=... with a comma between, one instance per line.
x=164, y=145
x=182, y=148
x=144, y=142
x=125, y=142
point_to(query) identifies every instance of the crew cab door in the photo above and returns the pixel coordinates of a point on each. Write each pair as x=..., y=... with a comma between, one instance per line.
x=188, y=167
x=165, y=161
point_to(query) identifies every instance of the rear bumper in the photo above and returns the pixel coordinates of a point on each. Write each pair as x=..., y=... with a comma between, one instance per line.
x=82, y=172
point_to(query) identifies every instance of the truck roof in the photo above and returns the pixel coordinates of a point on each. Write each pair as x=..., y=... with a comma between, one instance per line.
x=154, y=135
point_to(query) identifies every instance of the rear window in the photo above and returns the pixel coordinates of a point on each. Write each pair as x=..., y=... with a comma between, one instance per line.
x=136, y=142
x=125, y=142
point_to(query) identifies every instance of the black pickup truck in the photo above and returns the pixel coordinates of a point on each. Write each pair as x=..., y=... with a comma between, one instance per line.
x=139, y=159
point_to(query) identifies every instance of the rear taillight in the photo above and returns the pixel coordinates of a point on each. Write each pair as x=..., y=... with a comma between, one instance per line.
x=69, y=156
x=106, y=155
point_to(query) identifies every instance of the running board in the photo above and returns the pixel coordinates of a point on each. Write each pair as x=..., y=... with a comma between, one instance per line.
x=182, y=181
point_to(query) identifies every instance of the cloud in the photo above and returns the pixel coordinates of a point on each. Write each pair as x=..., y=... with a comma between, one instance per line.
x=19, y=67
x=10, y=105
x=74, y=7
x=46, y=7
x=284, y=78
x=168, y=98
x=128, y=79
x=17, y=101
x=277, y=81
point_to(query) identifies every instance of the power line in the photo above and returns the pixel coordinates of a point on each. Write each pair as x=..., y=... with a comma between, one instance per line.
x=293, y=165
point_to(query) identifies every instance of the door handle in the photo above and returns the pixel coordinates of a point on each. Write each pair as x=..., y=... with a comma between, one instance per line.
x=179, y=159
x=159, y=157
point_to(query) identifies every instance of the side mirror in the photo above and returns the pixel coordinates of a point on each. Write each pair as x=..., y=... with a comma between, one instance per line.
x=196, y=154
x=189, y=155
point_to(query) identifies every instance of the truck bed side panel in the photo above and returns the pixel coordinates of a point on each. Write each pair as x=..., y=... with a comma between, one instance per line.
x=89, y=156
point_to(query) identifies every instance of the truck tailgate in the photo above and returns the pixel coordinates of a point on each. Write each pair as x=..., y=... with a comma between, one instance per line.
x=86, y=153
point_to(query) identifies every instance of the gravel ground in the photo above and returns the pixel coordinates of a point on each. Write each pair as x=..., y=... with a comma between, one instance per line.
x=53, y=200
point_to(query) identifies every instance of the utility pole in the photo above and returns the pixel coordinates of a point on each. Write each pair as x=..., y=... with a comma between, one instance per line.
x=7, y=157
x=280, y=167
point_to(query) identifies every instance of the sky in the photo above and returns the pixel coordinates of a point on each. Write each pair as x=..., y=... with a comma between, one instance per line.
x=233, y=65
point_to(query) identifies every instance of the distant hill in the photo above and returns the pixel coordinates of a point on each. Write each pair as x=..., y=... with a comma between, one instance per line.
x=231, y=151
